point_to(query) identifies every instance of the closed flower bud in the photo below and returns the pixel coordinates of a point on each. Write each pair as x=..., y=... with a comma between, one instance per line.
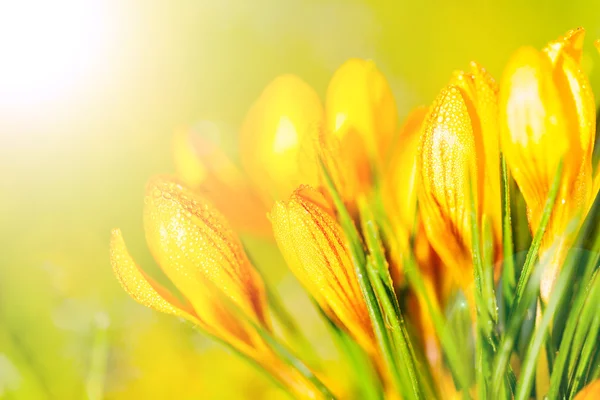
x=360, y=102
x=481, y=96
x=315, y=249
x=547, y=114
x=278, y=140
x=451, y=168
x=205, y=261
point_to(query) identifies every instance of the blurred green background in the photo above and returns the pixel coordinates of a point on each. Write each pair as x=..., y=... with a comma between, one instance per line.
x=90, y=94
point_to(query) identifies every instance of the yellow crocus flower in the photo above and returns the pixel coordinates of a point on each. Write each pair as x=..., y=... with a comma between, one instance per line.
x=451, y=164
x=278, y=139
x=314, y=247
x=482, y=101
x=590, y=392
x=359, y=101
x=547, y=114
x=205, y=261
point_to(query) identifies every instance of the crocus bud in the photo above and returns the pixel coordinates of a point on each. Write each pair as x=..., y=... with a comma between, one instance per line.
x=314, y=247
x=481, y=96
x=278, y=140
x=205, y=261
x=198, y=252
x=360, y=101
x=449, y=171
x=547, y=115
x=590, y=392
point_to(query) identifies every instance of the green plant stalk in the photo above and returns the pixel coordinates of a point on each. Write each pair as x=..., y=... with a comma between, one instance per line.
x=449, y=347
x=539, y=234
x=382, y=283
x=585, y=331
x=486, y=310
x=509, y=274
x=513, y=326
x=259, y=367
x=567, y=351
x=288, y=323
x=398, y=331
x=288, y=357
x=587, y=353
x=359, y=260
x=369, y=386
x=529, y=363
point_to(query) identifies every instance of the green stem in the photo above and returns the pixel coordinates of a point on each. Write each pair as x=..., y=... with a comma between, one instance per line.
x=509, y=274
x=359, y=260
x=540, y=333
x=539, y=234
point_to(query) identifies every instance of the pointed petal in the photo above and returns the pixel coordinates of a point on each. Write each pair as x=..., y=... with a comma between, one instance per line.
x=533, y=126
x=193, y=243
x=140, y=286
x=279, y=137
x=359, y=99
x=447, y=164
x=313, y=245
x=402, y=170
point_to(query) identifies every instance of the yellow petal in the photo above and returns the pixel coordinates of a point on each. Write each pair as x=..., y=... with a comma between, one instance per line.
x=571, y=43
x=204, y=167
x=140, y=286
x=313, y=245
x=482, y=102
x=447, y=162
x=533, y=127
x=402, y=169
x=197, y=250
x=590, y=392
x=547, y=114
x=279, y=137
x=360, y=100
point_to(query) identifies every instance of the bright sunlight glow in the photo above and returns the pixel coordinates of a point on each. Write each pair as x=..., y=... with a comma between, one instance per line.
x=47, y=47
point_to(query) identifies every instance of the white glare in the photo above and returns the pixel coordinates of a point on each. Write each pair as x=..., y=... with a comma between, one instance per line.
x=47, y=47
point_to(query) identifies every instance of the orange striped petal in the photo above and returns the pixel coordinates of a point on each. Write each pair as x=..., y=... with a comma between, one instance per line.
x=482, y=103
x=197, y=250
x=313, y=245
x=141, y=287
x=447, y=163
x=278, y=140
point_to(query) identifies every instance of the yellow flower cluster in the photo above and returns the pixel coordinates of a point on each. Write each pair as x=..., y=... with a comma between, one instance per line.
x=443, y=163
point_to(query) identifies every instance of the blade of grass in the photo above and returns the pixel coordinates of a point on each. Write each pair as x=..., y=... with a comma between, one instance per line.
x=529, y=363
x=359, y=259
x=539, y=234
x=513, y=326
x=382, y=283
x=568, y=351
x=509, y=274
x=587, y=353
x=449, y=346
x=369, y=386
